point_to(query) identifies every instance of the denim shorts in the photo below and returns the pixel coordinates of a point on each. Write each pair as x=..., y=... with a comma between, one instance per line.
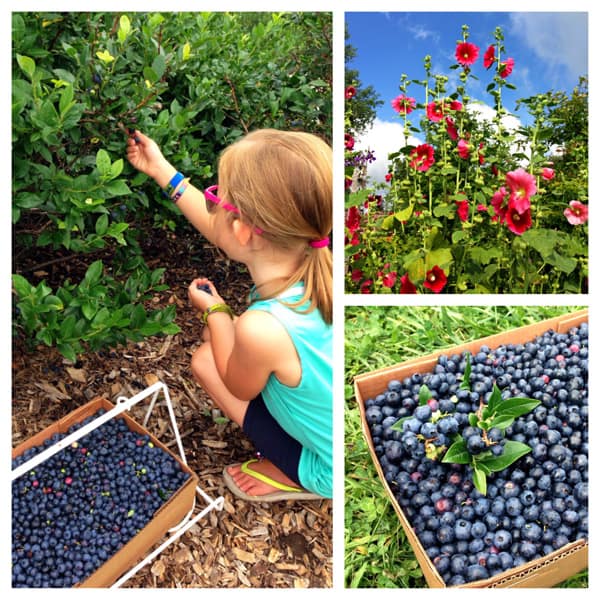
x=270, y=439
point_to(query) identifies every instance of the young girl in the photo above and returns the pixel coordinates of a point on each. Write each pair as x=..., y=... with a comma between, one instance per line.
x=270, y=369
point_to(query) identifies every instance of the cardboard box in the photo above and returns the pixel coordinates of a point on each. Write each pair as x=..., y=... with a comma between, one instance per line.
x=167, y=516
x=545, y=572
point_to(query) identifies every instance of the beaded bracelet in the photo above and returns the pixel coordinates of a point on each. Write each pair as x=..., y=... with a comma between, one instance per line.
x=180, y=190
x=172, y=185
x=216, y=308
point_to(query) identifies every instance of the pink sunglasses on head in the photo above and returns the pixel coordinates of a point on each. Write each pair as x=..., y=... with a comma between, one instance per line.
x=212, y=201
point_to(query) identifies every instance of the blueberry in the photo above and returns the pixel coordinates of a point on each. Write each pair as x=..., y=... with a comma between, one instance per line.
x=476, y=572
x=462, y=529
x=423, y=413
x=475, y=444
x=204, y=287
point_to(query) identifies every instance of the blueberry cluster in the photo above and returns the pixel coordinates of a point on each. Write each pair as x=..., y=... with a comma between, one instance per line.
x=76, y=509
x=533, y=507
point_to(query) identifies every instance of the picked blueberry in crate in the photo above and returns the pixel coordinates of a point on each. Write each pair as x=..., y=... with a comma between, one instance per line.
x=76, y=509
x=492, y=472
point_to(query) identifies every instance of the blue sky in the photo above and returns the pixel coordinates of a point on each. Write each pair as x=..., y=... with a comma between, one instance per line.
x=550, y=51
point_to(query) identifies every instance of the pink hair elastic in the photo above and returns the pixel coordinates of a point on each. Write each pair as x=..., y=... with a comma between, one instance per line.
x=319, y=243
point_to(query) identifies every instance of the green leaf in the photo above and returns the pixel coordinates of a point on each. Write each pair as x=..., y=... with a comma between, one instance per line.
x=66, y=100
x=501, y=421
x=512, y=452
x=480, y=480
x=26, y=64
x=103, y=162
x=21, y=285
x=495, y=399
x=102, y=224
x=94, y=273
x=404, y=215
x=473, y=419
x=67, y=351
x=466, y=381
x=159, y=65
x=424, y=394
x=515, y=407
x=458, y=453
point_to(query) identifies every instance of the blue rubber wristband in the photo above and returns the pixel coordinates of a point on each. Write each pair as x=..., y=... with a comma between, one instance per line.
x=172, y=185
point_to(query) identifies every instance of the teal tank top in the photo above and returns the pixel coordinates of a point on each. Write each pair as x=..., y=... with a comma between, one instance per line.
x=305, y=411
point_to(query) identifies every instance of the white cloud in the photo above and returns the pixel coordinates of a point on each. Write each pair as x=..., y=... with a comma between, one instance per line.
x=383, y=138
x=558, y=38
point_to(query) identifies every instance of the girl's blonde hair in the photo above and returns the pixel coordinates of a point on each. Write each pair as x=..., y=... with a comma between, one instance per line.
x=281, y=182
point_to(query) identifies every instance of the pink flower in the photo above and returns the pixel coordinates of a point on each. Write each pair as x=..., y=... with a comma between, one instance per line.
x=353, y=219
x=422, y=157
x=348, y=141
x=481, y=208
x=506, y=67
x=435, y=111
x=406, y=285
x=462, y=209
x=350, y=92
x=356, y=275
x=576, y=213
x=489, y=57
x=455, y=105
x=365, y=287
x=389, y=279
x=388, y=177
x=403, y=104
x=498, y=203
x=451, y=128
x=435, y=279
x=548, y=173
x=522, y=187
x=481, y=155
x=463, y=149
x=516, y=221
x=466, y=53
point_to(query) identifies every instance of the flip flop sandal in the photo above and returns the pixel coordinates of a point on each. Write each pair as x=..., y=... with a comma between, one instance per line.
x=286, y=492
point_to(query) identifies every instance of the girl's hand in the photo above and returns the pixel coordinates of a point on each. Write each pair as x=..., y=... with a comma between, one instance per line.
x=200, y=299
x=145, y=155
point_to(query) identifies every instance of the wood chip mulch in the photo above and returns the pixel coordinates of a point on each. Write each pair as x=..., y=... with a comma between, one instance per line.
x=279, y=545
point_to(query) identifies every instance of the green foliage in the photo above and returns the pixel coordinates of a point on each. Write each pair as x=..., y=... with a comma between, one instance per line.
x=195, y=82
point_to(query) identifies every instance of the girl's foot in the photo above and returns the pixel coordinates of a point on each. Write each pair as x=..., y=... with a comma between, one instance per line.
x=252, y=486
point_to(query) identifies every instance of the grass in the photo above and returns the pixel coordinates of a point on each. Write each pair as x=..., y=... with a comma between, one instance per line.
x=377, y=553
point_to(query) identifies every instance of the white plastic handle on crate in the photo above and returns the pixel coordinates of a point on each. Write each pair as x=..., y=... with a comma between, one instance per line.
x=121, y=406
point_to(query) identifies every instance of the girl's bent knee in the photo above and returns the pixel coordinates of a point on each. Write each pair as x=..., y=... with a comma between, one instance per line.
x=201, y=362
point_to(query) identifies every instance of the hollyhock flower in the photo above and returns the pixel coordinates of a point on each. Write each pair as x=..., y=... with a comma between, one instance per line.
x=365, y=286
x=481, y=208
x=462, y=209
x=466, y=53
x=576, y=213
x=481, y=156
x=422, y=157
x=389, y=279
x=522, y=187
x=356, y=275
x=463, y=149
x=455, y=105
x=388, y=177
x=406, y=285
x=435, y=279
x=347, y=183
x=489, y=57
x=451, y=128
x=506, y=67
x=355, y=241
x=348, y=141
x=353, y=219
x=495, y=170
x=516, y=221
x=350, y=92
x=404, y=105
x=435, y=111
x=547, y=173
x=498, y=203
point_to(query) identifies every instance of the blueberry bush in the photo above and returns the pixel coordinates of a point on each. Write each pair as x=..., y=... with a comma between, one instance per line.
x=79, y=507
x=486, y=454
x=195, y=82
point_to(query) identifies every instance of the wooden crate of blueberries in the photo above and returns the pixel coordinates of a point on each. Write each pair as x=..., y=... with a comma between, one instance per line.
x=483, y=452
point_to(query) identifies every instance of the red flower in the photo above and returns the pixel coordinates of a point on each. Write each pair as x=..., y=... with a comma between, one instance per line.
x=547, y=173
x=516, y=221
x=388, y=177
x=451, y=128
x=350, y=92
x=462, y=209
x=389, y=279
x=365, y=286
x=522, y=187
x=403, y=104
x=455, y=105
x=489, y=57
x=347, y=183
x=481, y=155
x=506, y=67
x=576, y=213
x=463, y=149
x=356, y=275
x=406, y=285
x=348, y=141
x=435, y=111
x=466, y=53
x=422, y=157
x=353, y=219
x=498, y=203
x=435, y=279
